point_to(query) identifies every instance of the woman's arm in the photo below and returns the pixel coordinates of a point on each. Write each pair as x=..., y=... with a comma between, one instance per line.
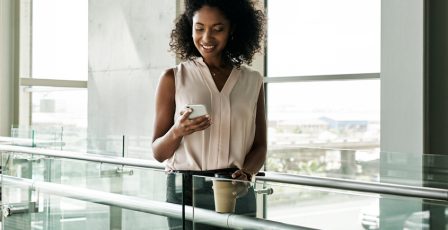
x=168, y=133
x=165, y=141
x=257, y=155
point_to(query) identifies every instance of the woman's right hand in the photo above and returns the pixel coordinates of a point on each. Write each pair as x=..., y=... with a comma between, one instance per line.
x=185, y=126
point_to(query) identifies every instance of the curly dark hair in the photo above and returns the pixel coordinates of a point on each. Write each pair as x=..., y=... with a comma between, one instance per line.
x=247, y=21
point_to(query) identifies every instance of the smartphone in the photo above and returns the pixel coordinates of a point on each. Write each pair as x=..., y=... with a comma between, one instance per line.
x=198, y=110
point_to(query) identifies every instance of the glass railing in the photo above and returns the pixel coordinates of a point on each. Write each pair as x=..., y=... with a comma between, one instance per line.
x=48, y=189
x=121, y=145
x=343, y=209
x=356, y=164
x=76, y=139
x=313, y=207
x=51, y=138
x=56, y=206
x=427, y=170
x=43, y=210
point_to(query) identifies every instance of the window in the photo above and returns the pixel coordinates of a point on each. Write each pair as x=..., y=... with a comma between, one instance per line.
x=323, y=91
x=323, y=96
x=323, y=37
x=61, y=114
x=54, y=70
x=59, y=39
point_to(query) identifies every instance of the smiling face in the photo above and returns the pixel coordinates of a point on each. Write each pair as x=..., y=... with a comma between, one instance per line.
x=211, y=31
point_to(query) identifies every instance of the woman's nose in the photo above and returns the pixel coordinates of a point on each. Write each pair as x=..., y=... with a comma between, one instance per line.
x=207, y=36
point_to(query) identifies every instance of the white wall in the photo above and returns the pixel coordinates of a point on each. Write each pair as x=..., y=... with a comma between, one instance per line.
x=128, y=50
x=402, y=76
x=402, y=90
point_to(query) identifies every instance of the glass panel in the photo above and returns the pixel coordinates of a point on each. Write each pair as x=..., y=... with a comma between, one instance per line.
x=307, y=206
x=139, y=147
x=118, y=179
x=113, y=145
x=143, y=183
x=314, y=126
x=61, y=108
x=63, y=55
x=54, y=212
x=407, y=169
x=18, y=200
x=425, y=170
x=345, y=164
x=308, y=37
x=42, y=137
x=121, y=145
x=283, y=203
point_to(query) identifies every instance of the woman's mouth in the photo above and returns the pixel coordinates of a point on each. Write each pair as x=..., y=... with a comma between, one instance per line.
x=208, y=48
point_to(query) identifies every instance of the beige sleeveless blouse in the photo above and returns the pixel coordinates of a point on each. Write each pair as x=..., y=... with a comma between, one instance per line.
x=227, y=141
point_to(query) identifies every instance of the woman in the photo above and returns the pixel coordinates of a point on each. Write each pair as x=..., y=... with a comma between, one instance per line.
x=214, y=38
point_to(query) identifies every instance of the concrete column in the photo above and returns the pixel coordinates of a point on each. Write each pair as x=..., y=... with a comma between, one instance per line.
x=402, y=104
x=8, y=64
x=348, y=163
x=128, y=51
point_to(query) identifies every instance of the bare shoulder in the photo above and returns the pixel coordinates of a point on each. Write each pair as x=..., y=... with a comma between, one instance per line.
x=168, y=73
x=167, y=78
x=166, y=86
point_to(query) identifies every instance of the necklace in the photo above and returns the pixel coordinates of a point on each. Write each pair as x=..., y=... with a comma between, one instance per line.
x=217, y=72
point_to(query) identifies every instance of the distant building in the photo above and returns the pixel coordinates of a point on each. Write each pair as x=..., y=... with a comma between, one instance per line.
x=309, y=126
x=346, y=124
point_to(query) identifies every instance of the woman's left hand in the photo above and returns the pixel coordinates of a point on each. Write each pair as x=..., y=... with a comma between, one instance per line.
x=240, y=175
x=242, y=186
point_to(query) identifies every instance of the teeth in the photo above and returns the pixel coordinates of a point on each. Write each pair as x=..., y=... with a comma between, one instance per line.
x=208, y=47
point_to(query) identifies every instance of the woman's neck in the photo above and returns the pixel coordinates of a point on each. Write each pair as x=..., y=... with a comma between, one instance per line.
x=216, y=63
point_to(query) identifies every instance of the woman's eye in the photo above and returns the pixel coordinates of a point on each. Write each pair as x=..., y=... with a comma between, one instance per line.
x=199, y=29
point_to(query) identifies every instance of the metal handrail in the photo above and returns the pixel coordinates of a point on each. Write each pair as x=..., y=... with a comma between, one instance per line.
x=343, y=184
x=336, y=77
x=356, y=185
x=84, y=156
x=149, y=206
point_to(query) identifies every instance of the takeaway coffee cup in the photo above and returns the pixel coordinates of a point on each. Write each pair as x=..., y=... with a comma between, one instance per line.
x=223, y=191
